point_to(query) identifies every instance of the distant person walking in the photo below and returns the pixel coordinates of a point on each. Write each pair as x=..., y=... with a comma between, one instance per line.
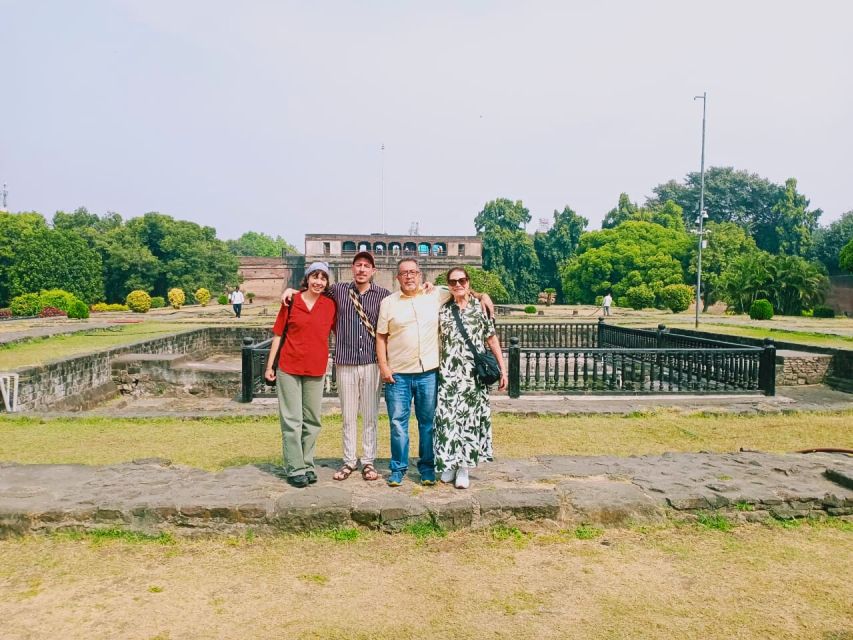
x=236, y=299
x=608, y=300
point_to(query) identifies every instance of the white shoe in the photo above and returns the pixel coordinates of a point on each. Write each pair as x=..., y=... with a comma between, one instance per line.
x=448, y=475
x=462, y=478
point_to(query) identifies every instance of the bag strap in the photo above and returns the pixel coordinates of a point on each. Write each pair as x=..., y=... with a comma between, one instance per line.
x=356, y=302
x=455, y=309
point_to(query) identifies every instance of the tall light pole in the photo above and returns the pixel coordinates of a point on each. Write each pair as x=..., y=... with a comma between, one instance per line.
x=700, y=220
x=382, y=189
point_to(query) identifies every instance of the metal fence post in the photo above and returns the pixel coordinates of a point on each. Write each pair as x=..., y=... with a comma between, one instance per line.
x=247, y=374
x=514, y=372
x=600, y=335
x=767, y=368
x=661, y=334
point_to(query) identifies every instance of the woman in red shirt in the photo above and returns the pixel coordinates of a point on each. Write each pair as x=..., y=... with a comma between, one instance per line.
x=301, y=370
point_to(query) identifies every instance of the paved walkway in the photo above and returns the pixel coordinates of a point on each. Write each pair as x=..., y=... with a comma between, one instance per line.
x=803, y=398
x=152, y=495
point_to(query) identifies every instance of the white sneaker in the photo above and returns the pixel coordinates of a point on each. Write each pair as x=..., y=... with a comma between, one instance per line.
x=448, y=475
x=462, y=478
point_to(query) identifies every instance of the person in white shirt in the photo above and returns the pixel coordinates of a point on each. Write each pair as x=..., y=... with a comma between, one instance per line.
x=236, y=298
x=608, y=300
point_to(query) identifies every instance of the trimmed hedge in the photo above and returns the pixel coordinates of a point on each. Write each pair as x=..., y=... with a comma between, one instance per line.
x=222, y=299
x=158, y=302
x=640, y=297
x=202, y=296
x=530, y=309
x=138, y=301
x=78, y=310
x=26, y=304
x=677, y=297
x=177, y=298
x=822, y=311
x=52, y=312
x=761, y=310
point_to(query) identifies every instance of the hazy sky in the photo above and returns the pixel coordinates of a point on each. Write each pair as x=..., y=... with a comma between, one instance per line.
x=270, y=116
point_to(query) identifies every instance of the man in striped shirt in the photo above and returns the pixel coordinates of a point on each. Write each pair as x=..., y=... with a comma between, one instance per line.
x=355, y=361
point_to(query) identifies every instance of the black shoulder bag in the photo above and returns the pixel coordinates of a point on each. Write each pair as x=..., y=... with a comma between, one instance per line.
x=486, y=368
x=275, y=360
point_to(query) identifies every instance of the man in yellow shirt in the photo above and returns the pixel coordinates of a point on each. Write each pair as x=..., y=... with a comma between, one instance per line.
x=407, y=350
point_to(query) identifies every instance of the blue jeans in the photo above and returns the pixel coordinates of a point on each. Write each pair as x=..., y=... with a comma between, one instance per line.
x=420, y=387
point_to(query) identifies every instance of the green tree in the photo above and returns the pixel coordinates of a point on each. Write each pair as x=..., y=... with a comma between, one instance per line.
x=557, y=245
x=190, y=256
x=632, y=254
x=508, y=250
x=128, y=264
x=776, y=216
x=829, y=241
x=744, y=280
x=16, y=229
x=622, y=213
x=845, y=257
x=253, y=243
x=483, y=282
x=57, y=259
x=726, y=242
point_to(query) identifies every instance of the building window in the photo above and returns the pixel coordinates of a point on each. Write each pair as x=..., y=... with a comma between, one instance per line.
x=461, y=250
x=327, y=248
x=349, y=246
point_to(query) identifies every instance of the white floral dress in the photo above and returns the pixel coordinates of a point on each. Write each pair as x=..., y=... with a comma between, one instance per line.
x=463, y=418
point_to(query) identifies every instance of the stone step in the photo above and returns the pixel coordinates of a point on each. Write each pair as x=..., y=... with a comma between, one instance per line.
x=153, y=495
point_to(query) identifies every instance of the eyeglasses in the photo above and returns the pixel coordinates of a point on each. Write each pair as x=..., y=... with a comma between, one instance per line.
x=460, y=281
x=410, y=272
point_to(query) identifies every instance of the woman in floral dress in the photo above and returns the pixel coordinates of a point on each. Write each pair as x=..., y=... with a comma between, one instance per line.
x=463, y=419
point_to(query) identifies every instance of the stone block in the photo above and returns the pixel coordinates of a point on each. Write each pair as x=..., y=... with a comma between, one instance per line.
x=518, y=502
x=608, y=503
x=312, y=508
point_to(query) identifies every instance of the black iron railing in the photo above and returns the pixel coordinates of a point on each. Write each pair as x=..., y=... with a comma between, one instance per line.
x=596, y=357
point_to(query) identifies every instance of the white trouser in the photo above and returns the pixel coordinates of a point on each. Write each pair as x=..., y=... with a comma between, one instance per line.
x=358, y=388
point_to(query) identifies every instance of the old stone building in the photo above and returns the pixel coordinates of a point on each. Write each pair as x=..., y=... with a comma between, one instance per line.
x=266, y=277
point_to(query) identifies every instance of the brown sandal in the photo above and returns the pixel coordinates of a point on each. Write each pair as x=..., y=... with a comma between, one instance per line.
x=343, y=473
x=369, y=473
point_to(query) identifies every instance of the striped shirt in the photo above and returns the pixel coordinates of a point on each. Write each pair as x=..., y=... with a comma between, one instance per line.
x=353, y=343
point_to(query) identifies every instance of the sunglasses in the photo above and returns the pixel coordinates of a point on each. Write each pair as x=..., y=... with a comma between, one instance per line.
x=460, y=281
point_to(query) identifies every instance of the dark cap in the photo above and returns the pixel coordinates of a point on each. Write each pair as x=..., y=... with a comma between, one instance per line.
x=367, y=256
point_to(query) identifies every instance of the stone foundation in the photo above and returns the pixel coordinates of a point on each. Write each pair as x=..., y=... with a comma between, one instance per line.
x=795, y=368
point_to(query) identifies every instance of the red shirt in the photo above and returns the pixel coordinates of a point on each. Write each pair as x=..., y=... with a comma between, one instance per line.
x=306, y=348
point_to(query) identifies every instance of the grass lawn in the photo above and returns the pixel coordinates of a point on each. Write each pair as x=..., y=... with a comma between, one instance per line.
x=41, y=350
x=781, y=335
x=214, y=443
x=680, y=581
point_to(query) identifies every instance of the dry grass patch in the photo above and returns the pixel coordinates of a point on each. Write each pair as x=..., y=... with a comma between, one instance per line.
x=215, y=443
x=41, y=350
x=676, y=582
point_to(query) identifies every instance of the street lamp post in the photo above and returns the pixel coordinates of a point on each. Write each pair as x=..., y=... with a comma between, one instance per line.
x=700, y=220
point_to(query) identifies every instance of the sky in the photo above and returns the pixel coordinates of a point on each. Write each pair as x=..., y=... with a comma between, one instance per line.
x=272, y=115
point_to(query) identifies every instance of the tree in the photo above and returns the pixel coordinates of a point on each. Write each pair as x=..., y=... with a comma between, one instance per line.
x=632, y=254
x=57, y=259
x=776, y=216
x=828, y=242
x=845, y=257
x=15, y=231
x=508, y=250
x=622, y=213
x=253, y=243
x=189, y=255
x=745, y=280
x=483, y=282
x=557, y=245
x=128, y=264
x=726, y=242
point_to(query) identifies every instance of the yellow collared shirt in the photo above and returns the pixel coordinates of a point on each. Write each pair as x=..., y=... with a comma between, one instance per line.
x=411, y=323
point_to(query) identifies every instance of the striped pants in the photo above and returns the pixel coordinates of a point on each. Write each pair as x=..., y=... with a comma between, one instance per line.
x=358, y=388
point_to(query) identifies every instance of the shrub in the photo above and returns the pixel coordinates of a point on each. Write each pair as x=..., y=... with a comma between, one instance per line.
x=57, y=298
x=640, y=297
x=103, y=306
x=138, y=301
x=676, y=297
x=158, y=302
x=822, y=311
x=202, y=296
x=250, y=296
x=222, y=299
x=26, y=304
x=761, y=309
x=177, y=298
x=99, y=307
x=530, y=309
x=78, y=309
x=51, y=312
x=117, y=307
x=5, y=313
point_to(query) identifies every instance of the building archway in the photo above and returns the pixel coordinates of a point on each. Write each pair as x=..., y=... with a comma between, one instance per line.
x=410, y=249
x=348, y=246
